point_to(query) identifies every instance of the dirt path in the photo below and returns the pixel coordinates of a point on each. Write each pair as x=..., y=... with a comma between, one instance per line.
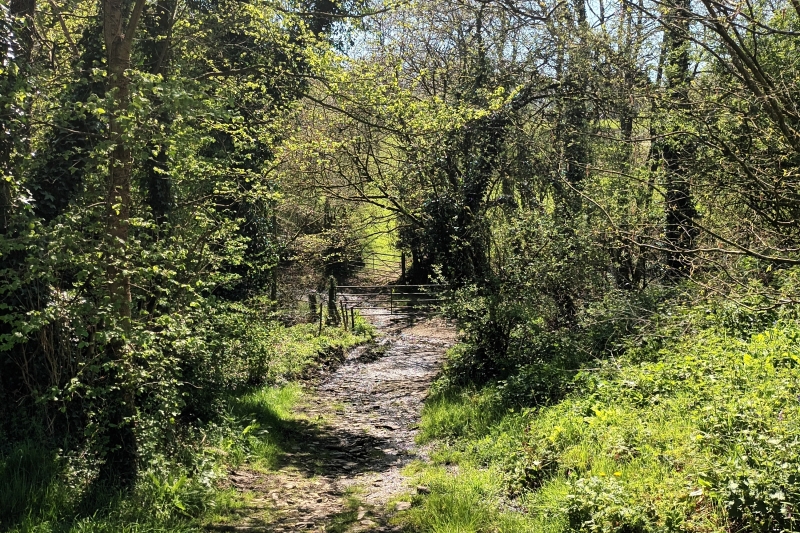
x=359, y=433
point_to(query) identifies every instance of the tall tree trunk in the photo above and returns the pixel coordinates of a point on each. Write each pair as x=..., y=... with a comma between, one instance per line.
x=118, y=199
x=122, y=459
x=576, y=122
x=627, y=260
x=676, y=150
x=573, y=130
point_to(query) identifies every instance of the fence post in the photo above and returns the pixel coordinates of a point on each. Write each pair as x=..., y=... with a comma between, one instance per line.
x=344, y=315
x=352, y=319
x=312, y=307
x=333, y=312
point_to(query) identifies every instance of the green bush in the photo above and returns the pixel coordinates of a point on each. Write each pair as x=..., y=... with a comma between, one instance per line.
x=599, y=505
x=221, y=384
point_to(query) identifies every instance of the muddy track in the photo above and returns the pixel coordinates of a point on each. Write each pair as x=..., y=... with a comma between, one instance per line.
x=358, y=427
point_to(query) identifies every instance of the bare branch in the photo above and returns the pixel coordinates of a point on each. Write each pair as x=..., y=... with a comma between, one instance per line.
x=67, y=35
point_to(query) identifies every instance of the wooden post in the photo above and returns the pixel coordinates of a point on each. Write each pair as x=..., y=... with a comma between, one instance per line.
x=352, y=319
x=333, y=313
x=312, y=307
x=403, y=268
x=344, y=315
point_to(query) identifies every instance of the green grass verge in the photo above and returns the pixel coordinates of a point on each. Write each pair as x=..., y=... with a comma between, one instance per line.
x=701, y=436
x=296, y=350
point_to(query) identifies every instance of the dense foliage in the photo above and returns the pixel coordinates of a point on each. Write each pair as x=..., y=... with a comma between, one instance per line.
x=138, y=232
x=579, y=172
x=689, y=432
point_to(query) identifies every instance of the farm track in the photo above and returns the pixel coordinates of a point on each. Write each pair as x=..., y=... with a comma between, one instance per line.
x=357, y=429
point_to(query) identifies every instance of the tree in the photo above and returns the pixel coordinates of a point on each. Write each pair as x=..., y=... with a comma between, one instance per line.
x=429, y=141
x=676, y=150
x=151, y=134
x=118, y=33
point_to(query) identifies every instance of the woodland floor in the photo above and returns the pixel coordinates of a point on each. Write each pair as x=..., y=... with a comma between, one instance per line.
x=356, y=427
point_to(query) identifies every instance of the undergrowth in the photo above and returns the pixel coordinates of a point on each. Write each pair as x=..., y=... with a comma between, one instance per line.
x=690, y=432
x=46, y=490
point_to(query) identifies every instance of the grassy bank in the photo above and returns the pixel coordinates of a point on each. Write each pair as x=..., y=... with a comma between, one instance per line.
x=47, y=490
x=698, y=435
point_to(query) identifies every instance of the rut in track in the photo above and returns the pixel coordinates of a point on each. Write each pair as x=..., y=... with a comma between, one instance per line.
x=358, y=429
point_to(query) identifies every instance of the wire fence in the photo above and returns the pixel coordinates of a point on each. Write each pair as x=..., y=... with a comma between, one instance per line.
x=376, y=299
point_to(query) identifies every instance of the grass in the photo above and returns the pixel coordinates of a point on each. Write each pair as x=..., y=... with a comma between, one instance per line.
x=41, y=494
x=465, y=502
x=298, y=348
x=267, y=426
x=699, y=436
x=460, y=413
x=44, y=491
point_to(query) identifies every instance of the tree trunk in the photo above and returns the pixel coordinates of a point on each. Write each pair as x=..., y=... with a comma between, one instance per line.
x=118, y=199
x=576, y=123
x=573, y=132
x=122, y=458
x=157, y=50
x=628, y=265
x=677, y=152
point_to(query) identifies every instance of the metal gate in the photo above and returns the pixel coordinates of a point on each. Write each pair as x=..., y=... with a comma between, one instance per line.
x=392, y=299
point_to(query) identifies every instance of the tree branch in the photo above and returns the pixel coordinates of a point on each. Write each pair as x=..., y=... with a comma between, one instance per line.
x=67, y=35
x=130, y=31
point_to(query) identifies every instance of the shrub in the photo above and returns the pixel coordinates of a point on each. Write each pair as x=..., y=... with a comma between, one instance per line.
x=602, y=505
